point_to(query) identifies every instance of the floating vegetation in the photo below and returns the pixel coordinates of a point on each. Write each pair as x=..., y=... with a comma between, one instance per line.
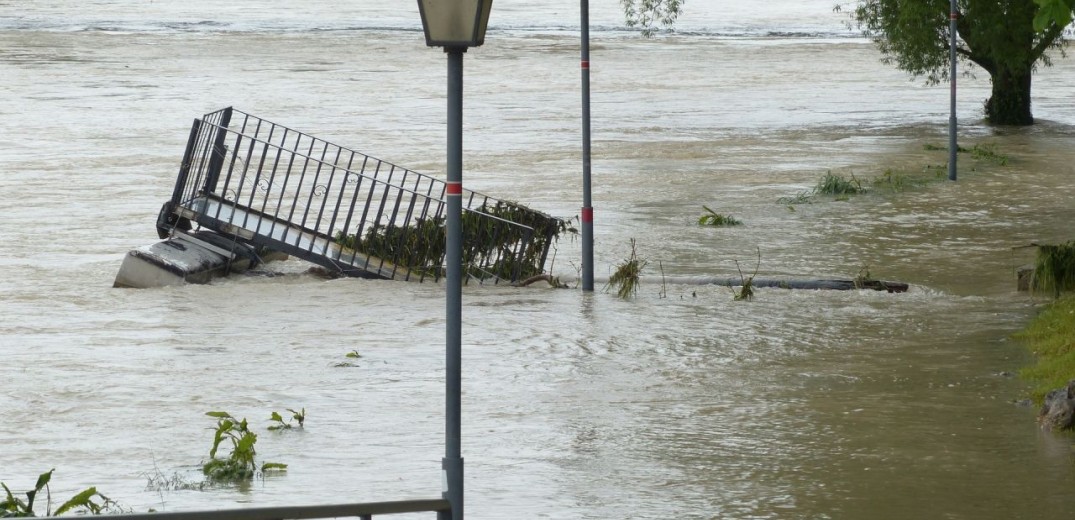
x=898, y=182
x=1054, y=269
x=505, y=240
x=803, y=197
x=626, y=277
x=240, y=464
x=280, y=424
x=88, y=500
x=982, y=152
x=746, y=290
x=712, y=218
x=892, y=180
x=863, y=277
x=160, y=482
x=988, y=152
x=347, y=364
x=832, y=184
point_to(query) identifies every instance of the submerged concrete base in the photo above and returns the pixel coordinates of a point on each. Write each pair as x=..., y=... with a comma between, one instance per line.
x=185, y=258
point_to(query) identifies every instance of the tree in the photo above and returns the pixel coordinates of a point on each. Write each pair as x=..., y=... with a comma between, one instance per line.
x=1055, y=11
x=647, y=13
x=997, y=35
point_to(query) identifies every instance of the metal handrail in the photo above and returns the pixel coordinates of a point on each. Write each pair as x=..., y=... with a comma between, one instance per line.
x=289, y=180
x=364, y=511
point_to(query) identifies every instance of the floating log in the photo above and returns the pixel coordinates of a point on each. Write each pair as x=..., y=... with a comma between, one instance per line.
x=786, y=283
x=780, y=283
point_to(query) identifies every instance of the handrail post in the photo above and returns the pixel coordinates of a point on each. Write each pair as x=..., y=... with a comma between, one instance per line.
x=184, y=167
x=216, y=162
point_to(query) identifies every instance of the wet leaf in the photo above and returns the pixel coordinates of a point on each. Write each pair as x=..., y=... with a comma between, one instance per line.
x=80, y=500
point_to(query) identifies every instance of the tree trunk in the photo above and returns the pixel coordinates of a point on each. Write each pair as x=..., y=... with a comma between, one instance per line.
x=1009, y=103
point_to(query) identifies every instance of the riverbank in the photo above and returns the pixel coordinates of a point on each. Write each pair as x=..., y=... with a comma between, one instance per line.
x=1051, y=338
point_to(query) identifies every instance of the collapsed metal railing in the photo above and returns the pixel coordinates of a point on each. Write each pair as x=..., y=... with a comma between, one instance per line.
x=282, y=189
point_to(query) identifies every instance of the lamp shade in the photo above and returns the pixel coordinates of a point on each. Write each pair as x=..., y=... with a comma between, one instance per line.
x=455, y=23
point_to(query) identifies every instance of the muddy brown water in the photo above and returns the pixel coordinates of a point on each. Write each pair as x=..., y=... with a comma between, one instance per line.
x=798, y=404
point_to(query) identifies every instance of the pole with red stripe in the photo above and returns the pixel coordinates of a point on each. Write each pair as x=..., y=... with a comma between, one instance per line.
x=587, y=203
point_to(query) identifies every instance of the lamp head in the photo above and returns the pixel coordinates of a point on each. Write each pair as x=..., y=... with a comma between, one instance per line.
x=455, y=23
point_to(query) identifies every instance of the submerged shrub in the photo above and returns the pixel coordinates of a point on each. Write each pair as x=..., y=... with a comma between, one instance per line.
x=626, y=277
x=712, y=218
x=1054, y=269
x=239, y=464
x=832, y=184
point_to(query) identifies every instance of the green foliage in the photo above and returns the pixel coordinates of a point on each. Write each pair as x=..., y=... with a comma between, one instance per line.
x=240, y=463
x=12, y=507
x=1054, y=269
x=712, y=218
x=646, y=14
x=838, y=185
x=419, y=247
x=863, y=277
x=893, y=181
x=1051, y=337
x=280, y=424
x=347, y=364
x=988, y=152
x=494, y=248
x=503, y=240
x=1053, y=12
x=999, y=37
x=803, y=197
x=625, y=279
x=746, y=289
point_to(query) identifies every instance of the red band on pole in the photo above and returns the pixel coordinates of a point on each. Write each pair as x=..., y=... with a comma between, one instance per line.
x=585, y=65
x=587, y=215
x=455, y=188
x=955, y=16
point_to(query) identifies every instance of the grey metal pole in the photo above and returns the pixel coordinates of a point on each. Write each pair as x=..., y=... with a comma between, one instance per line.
x=453, y=460
x=587, y=203
x=953, y=18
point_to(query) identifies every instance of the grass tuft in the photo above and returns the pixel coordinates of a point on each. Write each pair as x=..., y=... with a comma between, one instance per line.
x=1051, y=337
x=712, y=218
x=832, y=184
x=626, y=277
x=1054, y=269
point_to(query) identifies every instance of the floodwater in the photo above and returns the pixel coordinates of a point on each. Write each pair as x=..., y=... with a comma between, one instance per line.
x=680, y=403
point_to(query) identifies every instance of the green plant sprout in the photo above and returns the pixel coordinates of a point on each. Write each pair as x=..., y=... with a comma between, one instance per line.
x=12, y=507
x=746, y=290
x=280, y=424
x=240, y=463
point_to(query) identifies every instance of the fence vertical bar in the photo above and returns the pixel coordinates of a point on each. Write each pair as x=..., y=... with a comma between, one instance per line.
x=184, y=167
x=217, y=159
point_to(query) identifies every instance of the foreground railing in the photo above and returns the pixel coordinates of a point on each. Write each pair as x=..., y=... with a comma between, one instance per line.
x=253, y=178
x=363, y=511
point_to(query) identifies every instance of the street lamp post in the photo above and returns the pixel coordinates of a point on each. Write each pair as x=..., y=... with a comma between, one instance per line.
x=587, y=202
x=454, y=25
x=953, y=27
